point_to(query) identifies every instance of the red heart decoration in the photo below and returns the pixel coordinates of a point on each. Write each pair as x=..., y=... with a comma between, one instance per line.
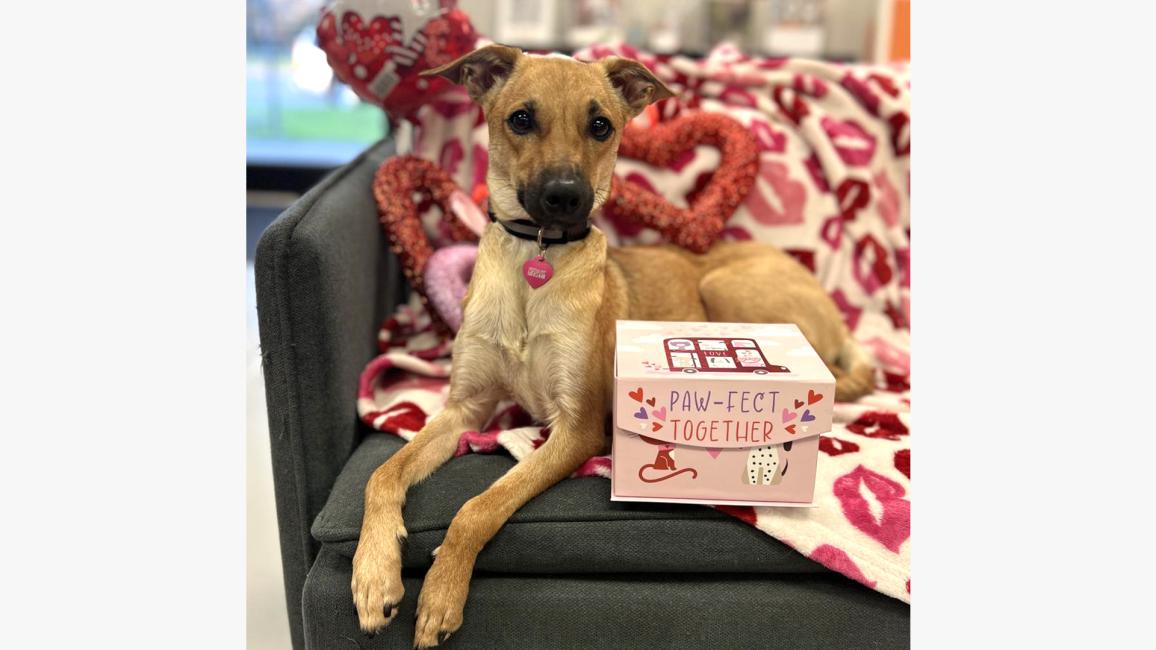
x=798, y=403
x=650, y=401
x=813, y=397
x=698, y=226
x=636, y=394
x=394, y=185
x=790, y=428
x=367, y=48
x=655, y=426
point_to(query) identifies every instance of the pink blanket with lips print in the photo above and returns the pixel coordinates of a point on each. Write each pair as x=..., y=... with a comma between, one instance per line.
x=833, y=190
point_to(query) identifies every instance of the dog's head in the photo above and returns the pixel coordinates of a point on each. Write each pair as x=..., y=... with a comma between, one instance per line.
x=555, y=124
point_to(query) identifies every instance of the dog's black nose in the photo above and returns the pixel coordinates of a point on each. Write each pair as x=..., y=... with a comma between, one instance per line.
x=560, y=198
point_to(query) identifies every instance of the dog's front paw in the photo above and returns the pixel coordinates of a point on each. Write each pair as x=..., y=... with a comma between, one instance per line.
x=377, y=587
x=441, y=602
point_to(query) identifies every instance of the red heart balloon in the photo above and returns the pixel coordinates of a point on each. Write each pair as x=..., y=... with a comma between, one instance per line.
x=698, y=226
x=379, y=47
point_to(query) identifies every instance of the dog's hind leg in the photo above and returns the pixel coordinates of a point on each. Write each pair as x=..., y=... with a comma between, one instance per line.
x=777, y=289
x=377, y=587
x=443, y=594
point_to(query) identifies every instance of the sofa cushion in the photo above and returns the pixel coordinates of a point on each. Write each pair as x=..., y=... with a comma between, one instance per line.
x=573, y=527
x=822, y=611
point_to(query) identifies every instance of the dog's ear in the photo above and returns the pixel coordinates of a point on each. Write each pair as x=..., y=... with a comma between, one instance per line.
x=637, y=86
x=480, y=70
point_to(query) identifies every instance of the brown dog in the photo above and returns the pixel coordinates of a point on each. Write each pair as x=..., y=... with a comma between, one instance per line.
x=555, y=124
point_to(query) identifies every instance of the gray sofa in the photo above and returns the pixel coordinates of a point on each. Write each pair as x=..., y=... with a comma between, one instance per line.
x=571, y=569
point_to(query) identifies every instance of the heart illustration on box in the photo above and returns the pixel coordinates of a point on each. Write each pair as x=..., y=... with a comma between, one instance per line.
x=713, y=451
x=798, y=403
x=807, y=417
x=659, y=413
x=813, y=397
x=696, y=227
x=640, y=414
x=788, y=415
x=636, y=394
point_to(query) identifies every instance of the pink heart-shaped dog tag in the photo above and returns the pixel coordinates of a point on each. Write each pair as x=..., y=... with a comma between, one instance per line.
x=537, y=271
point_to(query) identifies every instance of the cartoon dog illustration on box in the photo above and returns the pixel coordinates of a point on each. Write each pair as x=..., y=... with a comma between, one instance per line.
x=767, y=465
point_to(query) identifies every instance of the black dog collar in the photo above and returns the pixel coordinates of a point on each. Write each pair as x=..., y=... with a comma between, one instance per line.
x=526, y=229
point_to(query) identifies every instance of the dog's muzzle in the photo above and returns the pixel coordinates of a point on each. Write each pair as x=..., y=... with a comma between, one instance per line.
x=559, y=198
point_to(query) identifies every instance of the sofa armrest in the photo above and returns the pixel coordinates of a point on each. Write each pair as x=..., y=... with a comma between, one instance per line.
x=325, y=279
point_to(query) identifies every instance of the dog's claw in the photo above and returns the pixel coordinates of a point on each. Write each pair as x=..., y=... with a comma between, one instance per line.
x=377, y=590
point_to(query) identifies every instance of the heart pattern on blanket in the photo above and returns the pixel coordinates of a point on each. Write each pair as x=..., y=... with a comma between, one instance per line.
x=699, y=225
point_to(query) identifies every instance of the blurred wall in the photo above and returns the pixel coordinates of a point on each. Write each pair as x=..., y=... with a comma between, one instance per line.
x=848, y=23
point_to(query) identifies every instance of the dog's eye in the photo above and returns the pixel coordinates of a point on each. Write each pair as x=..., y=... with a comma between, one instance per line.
x=521, y=122
x=600, y=128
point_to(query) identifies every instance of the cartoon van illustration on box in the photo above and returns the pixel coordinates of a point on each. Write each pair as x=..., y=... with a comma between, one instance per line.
x=701, y=354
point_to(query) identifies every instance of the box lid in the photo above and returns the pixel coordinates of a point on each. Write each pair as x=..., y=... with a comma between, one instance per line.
x=735, y=384
x=731, y=351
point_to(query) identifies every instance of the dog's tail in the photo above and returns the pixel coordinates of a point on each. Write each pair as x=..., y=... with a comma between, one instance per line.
x=854, y=372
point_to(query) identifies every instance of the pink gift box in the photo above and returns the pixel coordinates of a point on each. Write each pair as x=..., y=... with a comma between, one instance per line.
x=717, y=413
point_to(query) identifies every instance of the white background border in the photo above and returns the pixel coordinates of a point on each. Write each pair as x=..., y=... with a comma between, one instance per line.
x=123, y=302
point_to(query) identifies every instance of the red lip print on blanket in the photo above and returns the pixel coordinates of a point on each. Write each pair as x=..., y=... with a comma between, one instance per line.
x=838, y=560
x=903, y=461
x=855, y=146
x=900, y=127
x=815, y=170
x=790, y=103
x=871, y=269
x=783, y=205
x=836, y=446
x=853, y=195
x=401, y=416
x=879, y=424
x=769, y=139
x=888, y=199
x=893, y=526
x=862, y=92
